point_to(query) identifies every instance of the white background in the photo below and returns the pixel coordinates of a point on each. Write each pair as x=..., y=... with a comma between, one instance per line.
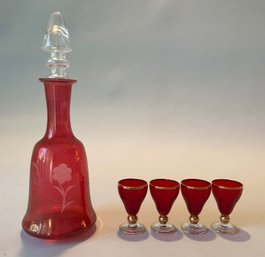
x=166, y=88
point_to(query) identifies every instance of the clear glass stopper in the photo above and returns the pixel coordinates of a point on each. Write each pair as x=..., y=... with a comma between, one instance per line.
x=56, y=41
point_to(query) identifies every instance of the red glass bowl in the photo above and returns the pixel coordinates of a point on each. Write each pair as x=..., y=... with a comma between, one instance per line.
x=164, y=192
x=195, y=193
x=226, y=193
x=132, y=192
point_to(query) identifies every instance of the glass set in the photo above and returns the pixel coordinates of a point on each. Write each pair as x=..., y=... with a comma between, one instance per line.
x=195, y=193
x=59, y=204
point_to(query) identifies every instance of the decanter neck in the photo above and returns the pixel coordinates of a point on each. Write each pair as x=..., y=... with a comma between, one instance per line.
x=58, y=97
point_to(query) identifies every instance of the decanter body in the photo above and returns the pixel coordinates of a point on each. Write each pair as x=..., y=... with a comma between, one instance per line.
x=59, y=202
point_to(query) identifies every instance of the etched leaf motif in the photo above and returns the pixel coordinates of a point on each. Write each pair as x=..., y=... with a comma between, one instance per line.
x=60, y=190
x=36, y=177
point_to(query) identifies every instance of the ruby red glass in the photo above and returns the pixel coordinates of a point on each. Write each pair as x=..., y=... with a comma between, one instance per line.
x=195, y=193
x=226, y=193
x=59, y=204
x=132, y=193
x=164, y=193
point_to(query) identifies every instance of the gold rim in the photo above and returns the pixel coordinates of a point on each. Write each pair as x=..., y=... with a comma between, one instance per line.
x=133, y=187
x=164, y=187
x=240, y=185
x=195, y=187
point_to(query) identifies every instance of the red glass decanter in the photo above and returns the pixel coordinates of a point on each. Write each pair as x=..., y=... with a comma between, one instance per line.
x=59, y=203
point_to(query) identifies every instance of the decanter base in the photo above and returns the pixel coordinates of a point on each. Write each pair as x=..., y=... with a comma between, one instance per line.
x=58, y=225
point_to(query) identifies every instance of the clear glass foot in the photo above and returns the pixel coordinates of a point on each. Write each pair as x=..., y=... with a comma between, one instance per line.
x=227, y=228
x=132, y=229
x=195, y=229
x=163, y=228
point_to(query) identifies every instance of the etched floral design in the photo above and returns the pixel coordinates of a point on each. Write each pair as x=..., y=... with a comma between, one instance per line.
x=62, y=174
